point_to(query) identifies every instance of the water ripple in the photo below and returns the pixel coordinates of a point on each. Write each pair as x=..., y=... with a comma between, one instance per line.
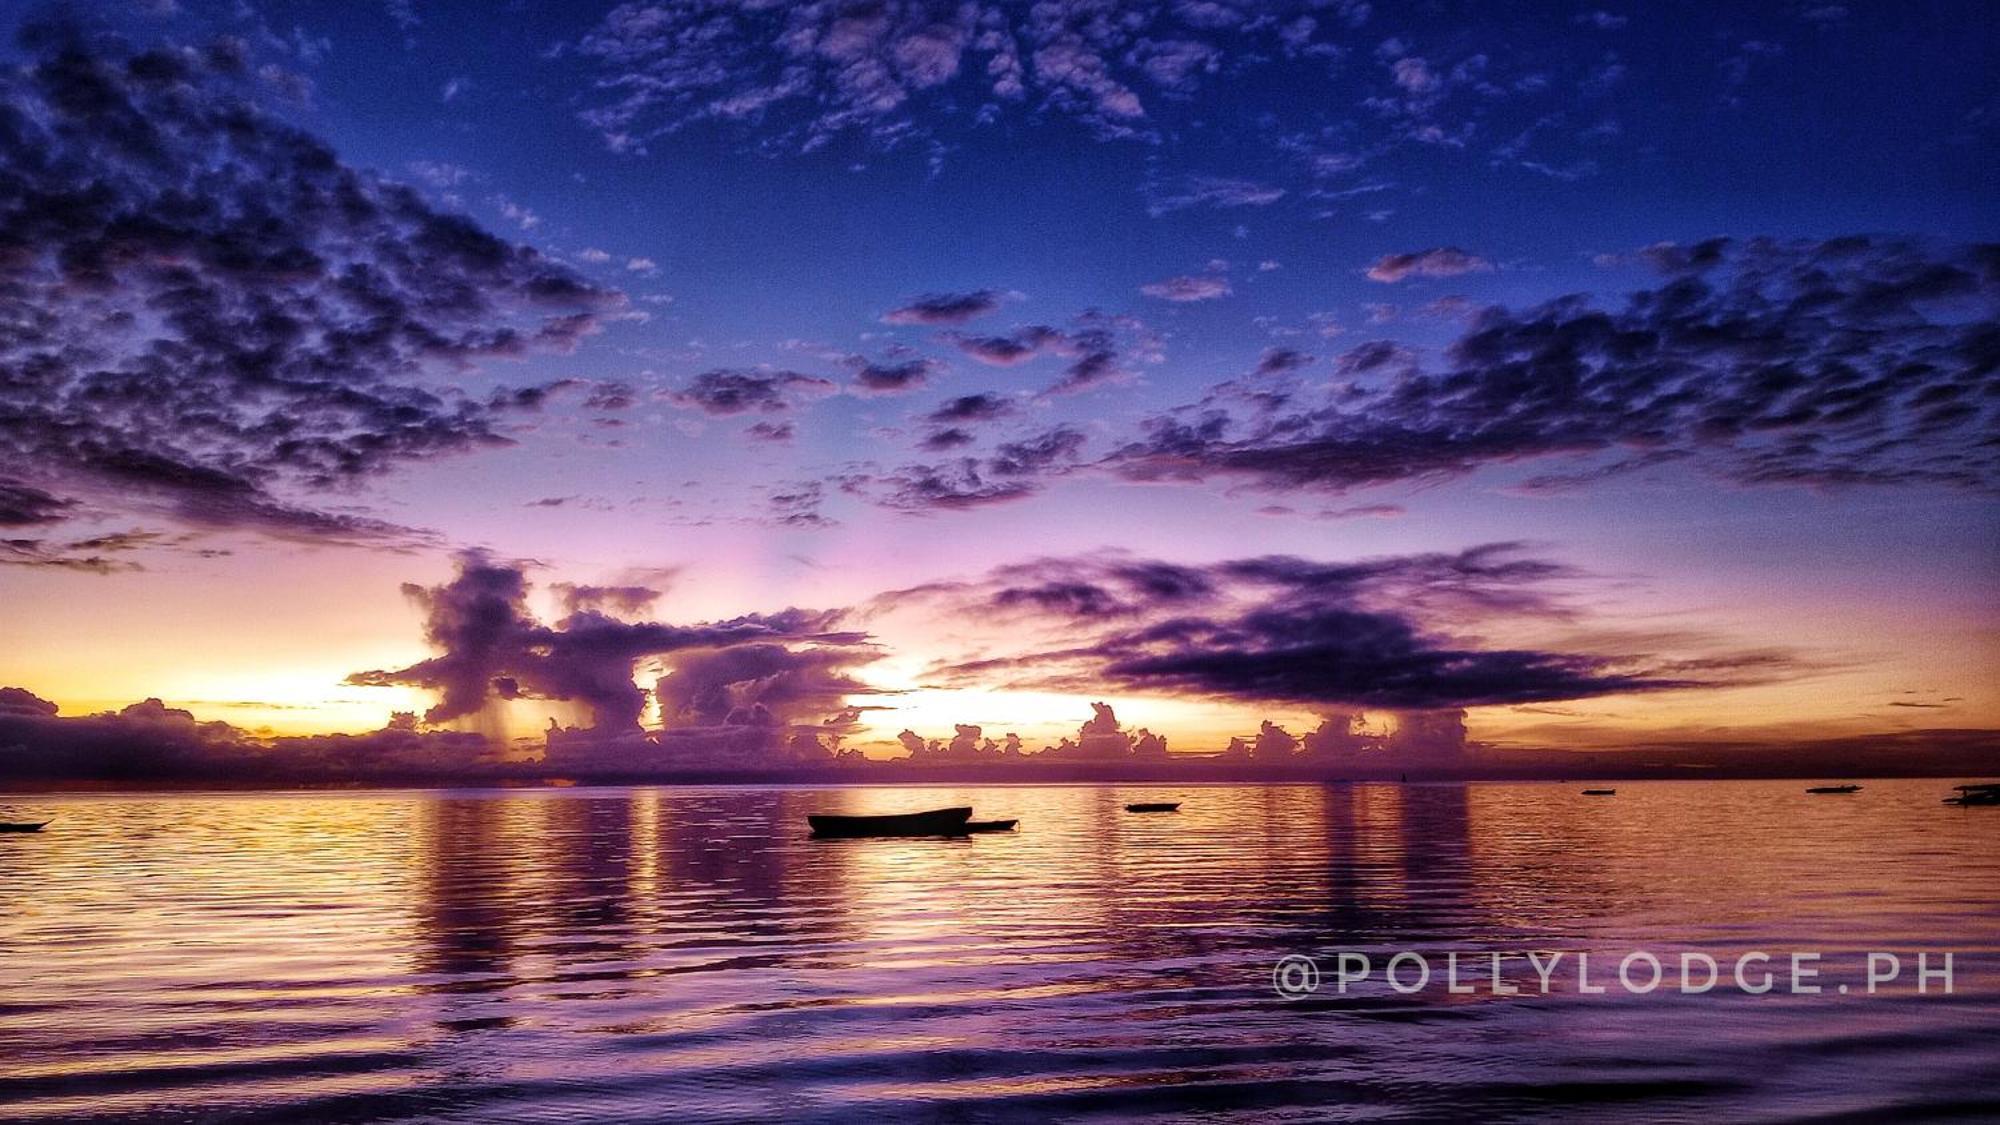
x=625, y=954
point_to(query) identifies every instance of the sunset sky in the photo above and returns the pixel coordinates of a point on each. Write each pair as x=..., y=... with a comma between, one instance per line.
x=1619, y=375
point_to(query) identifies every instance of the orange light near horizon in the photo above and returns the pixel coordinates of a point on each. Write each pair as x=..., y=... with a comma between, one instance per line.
x=286, y=703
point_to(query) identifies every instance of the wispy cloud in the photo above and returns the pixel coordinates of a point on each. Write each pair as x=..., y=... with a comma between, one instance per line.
x=1443, y=261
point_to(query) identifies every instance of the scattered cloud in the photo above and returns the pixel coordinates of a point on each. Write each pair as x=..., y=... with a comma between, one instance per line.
x=210, y=354
x=811, y=73
x=1845, y=361
x=1101, y=348
x=894, y=376
x=946, y=440
x=1188, y=287
x=1015, y=471
x=1016, y=347
x=22, y=506
x=945, y=308
x=1443, y=261
x=1210, y=191
x=982, y=407
x=728, y=391
x=1281, y=361
x=798, y=505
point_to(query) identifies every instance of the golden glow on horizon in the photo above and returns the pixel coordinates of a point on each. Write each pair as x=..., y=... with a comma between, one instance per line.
x=1839, y=703
x=237, y=642
x=1039, y=717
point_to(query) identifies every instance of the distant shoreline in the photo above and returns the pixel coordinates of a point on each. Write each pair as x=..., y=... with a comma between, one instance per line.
x=1958, y=758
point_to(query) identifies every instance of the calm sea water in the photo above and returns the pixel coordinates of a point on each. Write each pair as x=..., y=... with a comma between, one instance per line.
x=691, y=954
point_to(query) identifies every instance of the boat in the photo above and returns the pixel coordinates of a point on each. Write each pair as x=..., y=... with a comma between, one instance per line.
x=935, y=822
x=1154, y=806
x=21, y=826
x=990, y=825
x=1987, y=794
x=1600, y=792
x=1834, y=789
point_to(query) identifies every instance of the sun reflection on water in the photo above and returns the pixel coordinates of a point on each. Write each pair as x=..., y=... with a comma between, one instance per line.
x=545, y=954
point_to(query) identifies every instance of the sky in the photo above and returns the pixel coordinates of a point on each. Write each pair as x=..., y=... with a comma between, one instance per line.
x=1596, y=375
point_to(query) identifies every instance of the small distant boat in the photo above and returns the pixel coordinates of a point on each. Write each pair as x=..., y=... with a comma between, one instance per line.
x=935, y=822
x=21, y=825
x=990, y=825
x=1834, y=789
x=1987, y=794
x=1600, y=792
x=1154, y=806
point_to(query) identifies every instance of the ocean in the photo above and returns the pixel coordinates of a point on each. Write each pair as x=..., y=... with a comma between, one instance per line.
x=692, y=954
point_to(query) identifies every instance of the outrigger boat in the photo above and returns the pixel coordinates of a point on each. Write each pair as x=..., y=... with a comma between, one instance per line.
x=1834, y=789
x=1154, y=806
x=1987, y=794
x=935, y=822
x=1600, y=792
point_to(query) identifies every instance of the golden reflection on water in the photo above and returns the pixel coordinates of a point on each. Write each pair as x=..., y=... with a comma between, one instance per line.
x=611, y=953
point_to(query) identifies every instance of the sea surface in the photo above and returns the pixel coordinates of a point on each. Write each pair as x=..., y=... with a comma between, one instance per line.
x=691, y=955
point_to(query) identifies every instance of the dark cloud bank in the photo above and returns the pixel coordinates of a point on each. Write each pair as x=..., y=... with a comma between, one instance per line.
x=774, y=694
x=1288, y=631
x=205, y=314
x=760, y=690
x=493, y=648
x=945, y=308
x=1844, y=362
x=1848, y=361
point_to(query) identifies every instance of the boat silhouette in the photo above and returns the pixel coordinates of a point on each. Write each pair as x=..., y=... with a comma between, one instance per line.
x=933, y=822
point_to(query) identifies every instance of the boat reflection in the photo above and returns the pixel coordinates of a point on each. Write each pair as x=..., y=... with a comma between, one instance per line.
x=613, y=953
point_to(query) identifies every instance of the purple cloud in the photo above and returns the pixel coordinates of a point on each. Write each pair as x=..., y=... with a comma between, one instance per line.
x=982, y=407
x=816, y=72
x=1188, y=287
x=1442, y=261
x=1015, y=471
x=1211, y=191
x=1285, y=630
x=1846, y=361
x=1017, y=347
x=945, y=308
x=491, y=647
x=205, y=353
x=729, y=391
x=892, y=377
